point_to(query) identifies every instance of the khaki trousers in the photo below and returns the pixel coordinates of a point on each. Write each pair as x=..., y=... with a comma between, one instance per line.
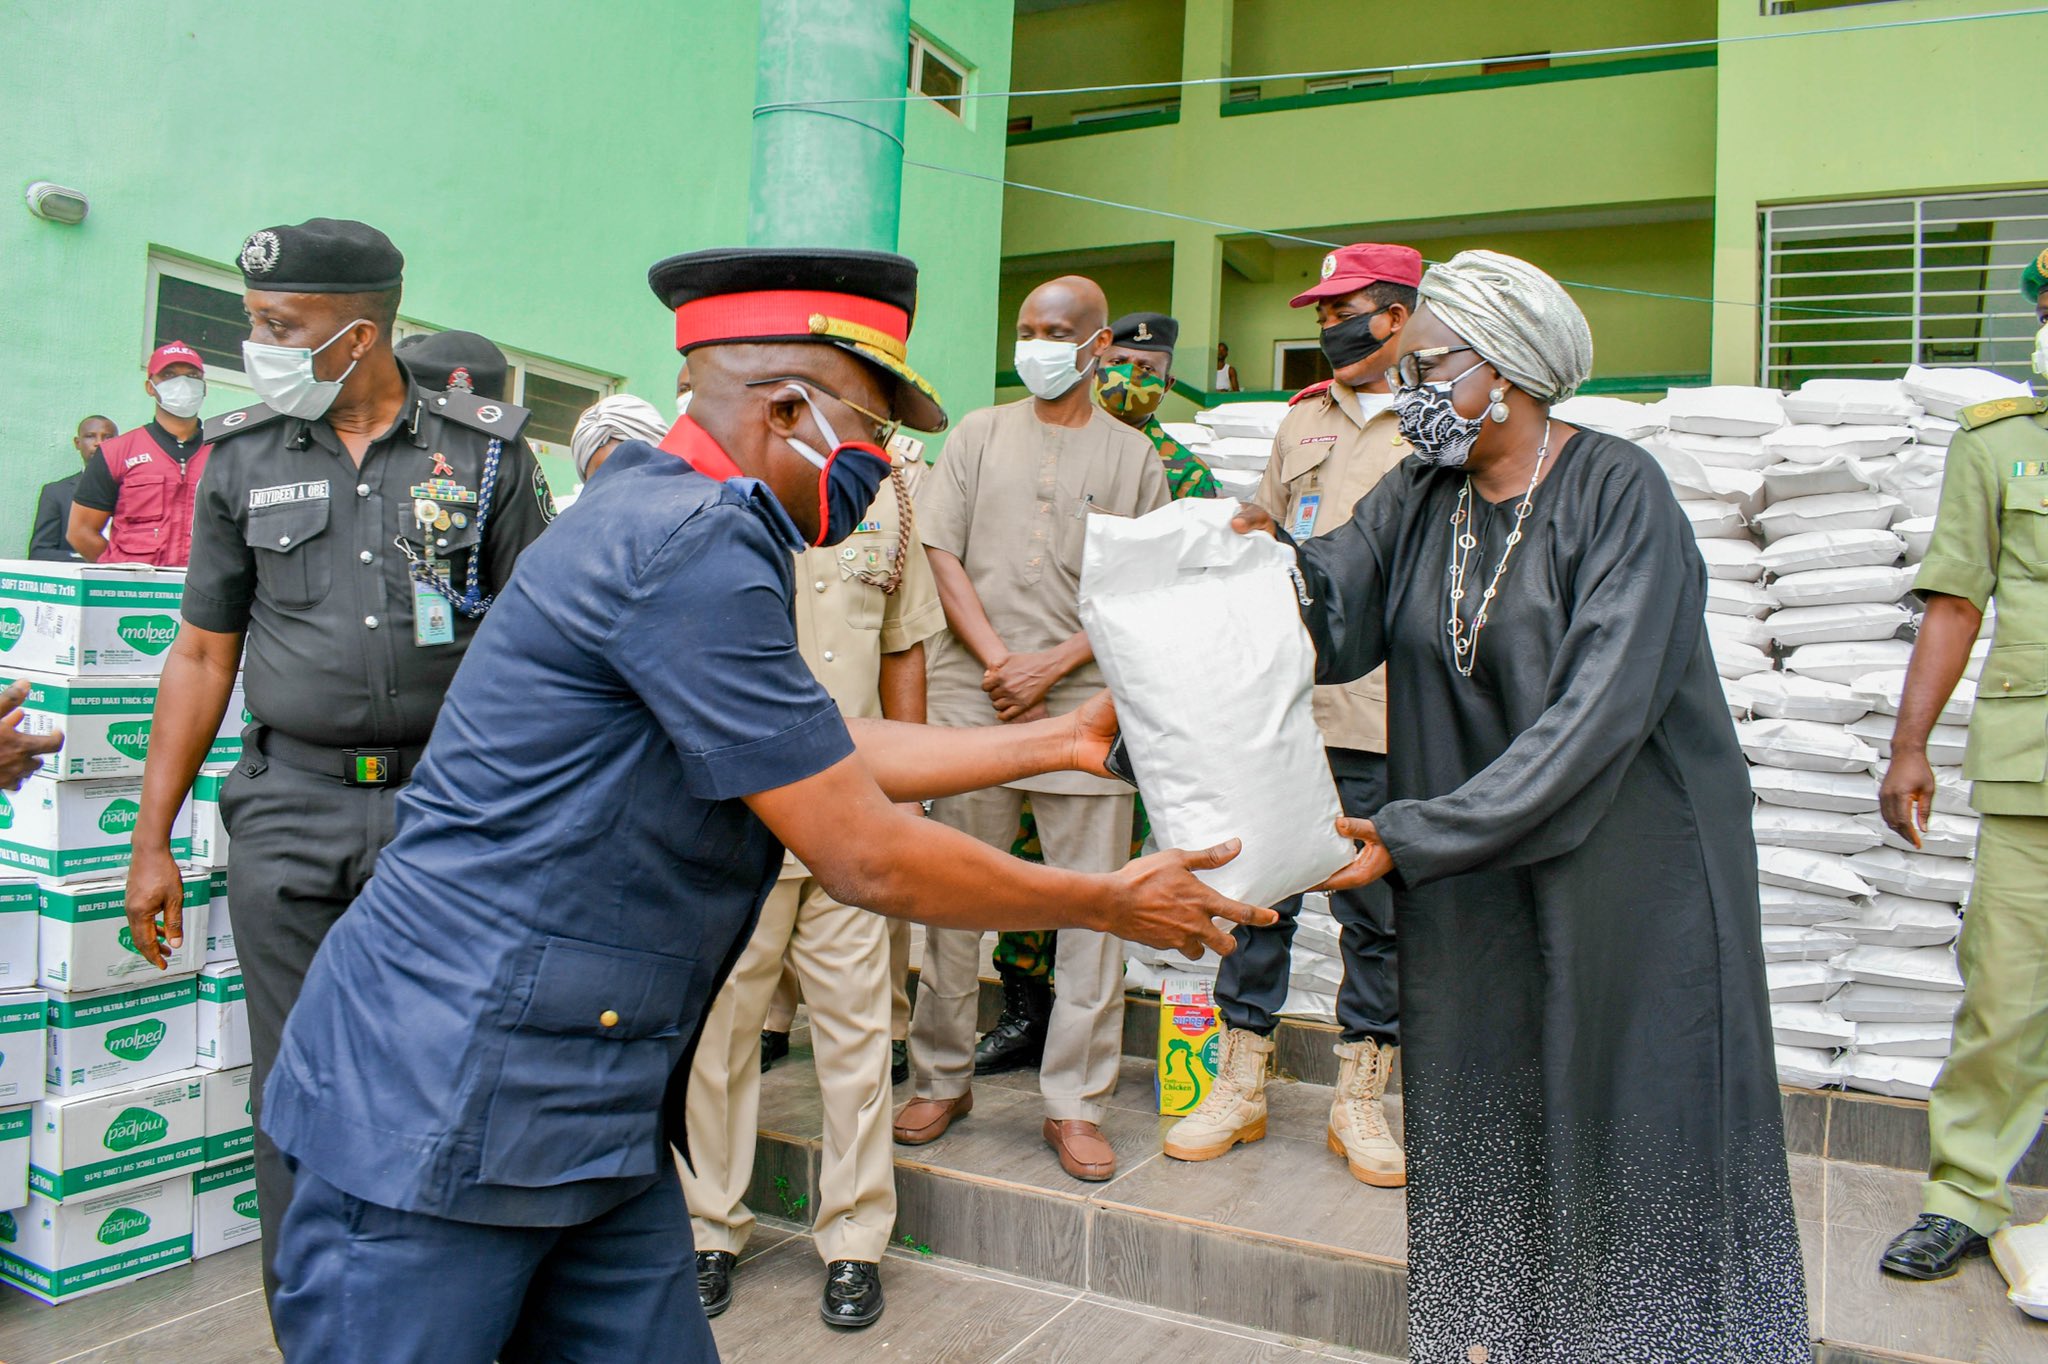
x=1085, y=1041
x=1987, y=1106
x=840, y=954
x=789, y=994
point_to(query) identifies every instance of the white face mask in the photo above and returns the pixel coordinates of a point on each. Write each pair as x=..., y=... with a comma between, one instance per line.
x=683, y=402
x=2041, y=351
x=181, y=396
x=283, y=376
x=1050, y=368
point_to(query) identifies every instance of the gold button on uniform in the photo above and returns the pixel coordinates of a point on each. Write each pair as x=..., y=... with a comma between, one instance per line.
x=608, y=1019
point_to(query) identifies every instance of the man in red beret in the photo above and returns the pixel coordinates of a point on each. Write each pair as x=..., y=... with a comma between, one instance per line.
x=144, y=482
x=1338, y=439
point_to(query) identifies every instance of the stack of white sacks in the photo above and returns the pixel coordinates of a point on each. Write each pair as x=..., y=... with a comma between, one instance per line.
x=1236, y=441
x=125, y=1132
x=1811, y=510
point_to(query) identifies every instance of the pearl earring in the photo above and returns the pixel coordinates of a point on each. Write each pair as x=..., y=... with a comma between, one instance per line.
x=1498, y=412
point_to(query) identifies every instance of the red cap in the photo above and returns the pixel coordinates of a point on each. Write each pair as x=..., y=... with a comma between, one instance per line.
x=1351, y=268
x=173, y=353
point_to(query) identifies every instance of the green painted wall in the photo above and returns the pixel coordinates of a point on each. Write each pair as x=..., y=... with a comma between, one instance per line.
x=1868, y=115
x=1329, y=35
x=1115, y=42
x=531, y=160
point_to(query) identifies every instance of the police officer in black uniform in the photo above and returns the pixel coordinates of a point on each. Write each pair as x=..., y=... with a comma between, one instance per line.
x=354, y=528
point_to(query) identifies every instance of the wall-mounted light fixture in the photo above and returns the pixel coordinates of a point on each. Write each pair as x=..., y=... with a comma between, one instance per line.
x=56, y=203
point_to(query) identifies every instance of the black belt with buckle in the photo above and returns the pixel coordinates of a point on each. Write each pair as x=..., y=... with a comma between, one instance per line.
x=355, y=766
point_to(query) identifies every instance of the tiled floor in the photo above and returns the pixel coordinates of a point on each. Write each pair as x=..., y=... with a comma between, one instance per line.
x=1007, y=1261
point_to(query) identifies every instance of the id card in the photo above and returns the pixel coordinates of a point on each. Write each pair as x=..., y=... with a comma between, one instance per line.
x=1304, y=524
x=433, y=620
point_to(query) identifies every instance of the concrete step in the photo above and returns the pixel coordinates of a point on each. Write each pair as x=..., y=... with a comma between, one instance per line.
x=1278, y=1238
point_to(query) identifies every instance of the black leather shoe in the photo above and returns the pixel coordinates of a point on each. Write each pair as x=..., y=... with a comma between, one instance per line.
x=1934, y=1247
x=899, y=1062
x=853, y=1294
x=774, y=1046
x=714, y=1280
x=1017, y=1041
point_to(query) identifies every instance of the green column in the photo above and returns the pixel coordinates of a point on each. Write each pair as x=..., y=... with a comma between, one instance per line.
x=1197, y=251
x=833, y=175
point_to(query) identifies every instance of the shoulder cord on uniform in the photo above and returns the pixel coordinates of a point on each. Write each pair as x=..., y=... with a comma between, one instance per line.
x=893, y=578
x=472, y=603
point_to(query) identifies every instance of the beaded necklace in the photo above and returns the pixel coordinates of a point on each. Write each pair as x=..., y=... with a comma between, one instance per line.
x=1464, y=638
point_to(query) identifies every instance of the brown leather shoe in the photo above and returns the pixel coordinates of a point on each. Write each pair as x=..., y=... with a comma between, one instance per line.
x=926, y=1120
x=1083, y=1151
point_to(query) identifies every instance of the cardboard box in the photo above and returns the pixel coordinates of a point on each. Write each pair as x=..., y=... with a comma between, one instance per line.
x=117, y=1038
x=78, y=830
x=230, y=1121
x=220, y=929
x=136, y=1135
x=14, y=1141
x=22, y=1015
x=105, y=721
x=61, y=1251
x=224, y=1208
x=221, y=1040
x=1190, y=1041
x=209, y=835
x=20, y=956
x=87, y=944
x=227, y=742
x=88, y=620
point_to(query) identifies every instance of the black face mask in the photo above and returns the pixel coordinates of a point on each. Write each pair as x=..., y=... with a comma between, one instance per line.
x=1349, y=341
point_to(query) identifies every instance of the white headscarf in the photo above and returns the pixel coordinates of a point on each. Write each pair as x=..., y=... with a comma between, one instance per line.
x=1519, y=319
x=619, y=417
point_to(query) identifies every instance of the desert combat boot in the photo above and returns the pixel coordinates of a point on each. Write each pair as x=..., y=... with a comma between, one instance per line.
x=1235, y=1108
x=1358, y=1116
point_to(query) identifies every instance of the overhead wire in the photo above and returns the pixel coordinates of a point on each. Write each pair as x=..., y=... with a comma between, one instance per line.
x=1621, y=50
x=1274, y=235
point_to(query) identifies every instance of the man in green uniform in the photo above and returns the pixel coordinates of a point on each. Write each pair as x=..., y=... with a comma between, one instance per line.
x=1136, y=373
x=1990, y=542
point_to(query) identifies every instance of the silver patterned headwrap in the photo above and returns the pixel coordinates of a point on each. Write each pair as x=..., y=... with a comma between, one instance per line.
x=1518, y=318
x=619, y=417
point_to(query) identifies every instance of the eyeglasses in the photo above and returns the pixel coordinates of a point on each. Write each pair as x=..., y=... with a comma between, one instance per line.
x=881, y=430
x=1408, y=373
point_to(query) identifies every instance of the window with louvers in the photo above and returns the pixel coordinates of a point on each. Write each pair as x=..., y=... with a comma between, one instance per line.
x=1865, y=288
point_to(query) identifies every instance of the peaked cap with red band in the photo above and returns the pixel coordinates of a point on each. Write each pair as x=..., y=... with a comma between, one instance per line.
x=863, y=302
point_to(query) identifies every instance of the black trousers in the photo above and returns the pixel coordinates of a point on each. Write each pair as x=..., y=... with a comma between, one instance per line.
x=1251, y=987
x=304, y=844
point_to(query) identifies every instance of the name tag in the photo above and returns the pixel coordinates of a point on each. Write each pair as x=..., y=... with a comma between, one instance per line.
x=433, y=621
x=283, y=494
x=1304, y=524
x=1318, y=440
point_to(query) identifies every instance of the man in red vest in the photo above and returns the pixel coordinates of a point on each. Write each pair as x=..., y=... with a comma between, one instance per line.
x=143, y=482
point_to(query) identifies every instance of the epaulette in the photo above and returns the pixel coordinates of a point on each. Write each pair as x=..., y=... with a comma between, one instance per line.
x=1311, y=391
x=1980, y=415
x=235, y=423
x=492, y=416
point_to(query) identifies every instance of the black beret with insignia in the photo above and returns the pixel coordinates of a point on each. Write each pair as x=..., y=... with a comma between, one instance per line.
x=445, y=360
x=321, y=256
x=1145, y=331
x=860, y=301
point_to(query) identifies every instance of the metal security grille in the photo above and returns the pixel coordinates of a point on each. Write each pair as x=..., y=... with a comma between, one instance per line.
x=1863, y=289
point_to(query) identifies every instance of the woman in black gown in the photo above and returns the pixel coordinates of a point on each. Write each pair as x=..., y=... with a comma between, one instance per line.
x=1597, y=1167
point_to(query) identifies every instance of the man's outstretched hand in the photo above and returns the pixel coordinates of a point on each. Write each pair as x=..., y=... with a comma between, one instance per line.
x=1252, y=518
x=1095, y=731
x=21, y=754
x=1164, y=906
x=1373, y=860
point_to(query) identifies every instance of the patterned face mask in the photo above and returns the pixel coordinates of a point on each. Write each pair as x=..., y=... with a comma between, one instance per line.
x=1126, y=391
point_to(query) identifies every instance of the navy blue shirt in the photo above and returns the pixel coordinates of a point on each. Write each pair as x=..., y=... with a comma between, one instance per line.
x=489, y=1031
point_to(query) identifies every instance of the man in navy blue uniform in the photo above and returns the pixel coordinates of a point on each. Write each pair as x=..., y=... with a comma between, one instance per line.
x=473, y=1084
